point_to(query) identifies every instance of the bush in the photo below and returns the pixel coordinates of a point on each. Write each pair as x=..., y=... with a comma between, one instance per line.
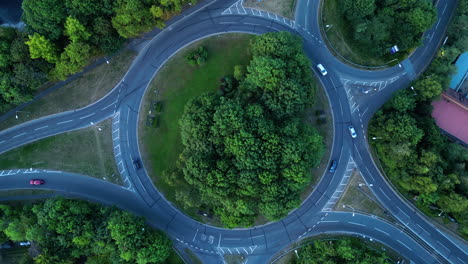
x=197, y=57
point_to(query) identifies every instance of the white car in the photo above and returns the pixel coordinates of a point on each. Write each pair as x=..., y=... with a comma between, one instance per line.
x=352, y=131
x=322, y=69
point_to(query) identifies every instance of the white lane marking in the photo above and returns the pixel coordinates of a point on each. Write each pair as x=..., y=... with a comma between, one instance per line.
x=443, y=246
x=238, y=252
x=218, y=248
x=63, y=122
x=329, y=221
x=356, y=224
x=229, y=251
x=195, y=235
x=245, y=251
x=365, y=111
x=41, y=128
x=109, y=105
x=258, y=236
x=437, y=23
x=443, y=11
x=2, y=141
x=404, y=245
x=83, y=117
x=382, y=231
x=403, y=212
x=219, y=241
x=232, y=238
x=19, y=135
x=384, y=194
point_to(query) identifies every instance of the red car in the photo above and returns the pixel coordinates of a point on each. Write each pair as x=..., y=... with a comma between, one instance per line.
x=36, y=182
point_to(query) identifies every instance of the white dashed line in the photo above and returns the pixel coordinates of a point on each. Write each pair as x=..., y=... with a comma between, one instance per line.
x=356, y=224
x=19, y=135
x=41, y=128
x=404, y=245
x=382, y=231
x=83, y=117
x=63, y=122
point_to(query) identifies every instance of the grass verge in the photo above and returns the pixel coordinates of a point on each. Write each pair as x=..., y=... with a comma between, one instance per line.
x=176, y=83
x=285, y=8
x=88, y=88
x=87, y=151
x=357, y=195
x=339, y=36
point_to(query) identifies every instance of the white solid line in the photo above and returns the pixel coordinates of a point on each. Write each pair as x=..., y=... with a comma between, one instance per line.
x=437, y=23
x=384, y=194
x=19, y=135
x=404, y=245
x=443, y=246
x=245, y=251
x=329, y=221
x=382, y=231
x=230, y=251
x=356, y=224
x=63, y=122
x=195, y=235
x=219, y=241
x=443, y=11
x=87, y=116
x=41, y=128
x=365, y=111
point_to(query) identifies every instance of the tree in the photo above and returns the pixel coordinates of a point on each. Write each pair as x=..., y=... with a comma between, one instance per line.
x=132, y=18
x=73, y=59
x=46, y=17
x=75, y=30
x=40, y=47
x=428, y=89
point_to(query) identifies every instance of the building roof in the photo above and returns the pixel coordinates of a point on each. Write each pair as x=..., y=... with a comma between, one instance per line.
x=451, y=116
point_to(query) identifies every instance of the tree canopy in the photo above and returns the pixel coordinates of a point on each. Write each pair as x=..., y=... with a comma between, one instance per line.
x=378, y=25
x=247, y=149
x=71, y=231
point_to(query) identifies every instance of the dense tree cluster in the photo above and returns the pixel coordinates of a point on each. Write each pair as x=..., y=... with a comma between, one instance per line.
x=379, y=24
x=247, y=149
x=415, y=155
x=343, y=250
x=19, y=74
x=61, y=36
x=72, y=231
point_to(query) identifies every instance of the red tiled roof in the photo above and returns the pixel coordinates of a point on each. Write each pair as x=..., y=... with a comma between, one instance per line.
x=451, y=117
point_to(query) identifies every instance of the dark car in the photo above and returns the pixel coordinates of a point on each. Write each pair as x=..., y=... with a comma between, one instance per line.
x=36, y=181
x=136, y=164
x=333, y=166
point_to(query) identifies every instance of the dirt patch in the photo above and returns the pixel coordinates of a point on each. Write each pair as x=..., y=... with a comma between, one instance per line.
x=285, y=8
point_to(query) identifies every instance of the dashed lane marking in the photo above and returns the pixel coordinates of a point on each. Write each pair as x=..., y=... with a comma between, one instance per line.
x=63, y=122
x=83, y=117
x=41, y=128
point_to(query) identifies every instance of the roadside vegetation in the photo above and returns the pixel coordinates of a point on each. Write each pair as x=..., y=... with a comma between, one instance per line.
x=87, y=151
x=344, y=249
x=417, y=158
x=73, y=231
x=363, y=31
x=284, y=8
x=63, y=36
x=80, y=92
x=247, y=150
x=175, y=84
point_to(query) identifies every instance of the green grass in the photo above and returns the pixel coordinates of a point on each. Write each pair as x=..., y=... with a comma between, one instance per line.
x=285, y=8
x=86, y=151
x=88, y=88
x=341, y=39
x=177, y=82
x=174, y=258
x=360, y=198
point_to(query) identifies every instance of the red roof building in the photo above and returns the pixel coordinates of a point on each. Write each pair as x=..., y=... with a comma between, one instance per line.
x=451, y=115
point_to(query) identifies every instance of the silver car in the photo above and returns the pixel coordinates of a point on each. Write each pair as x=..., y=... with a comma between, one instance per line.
x=352, y=131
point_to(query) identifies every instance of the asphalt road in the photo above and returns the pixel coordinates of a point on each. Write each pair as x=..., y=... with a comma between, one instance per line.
x=415, y=238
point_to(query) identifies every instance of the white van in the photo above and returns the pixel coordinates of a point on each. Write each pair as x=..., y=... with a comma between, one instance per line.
x=322, y=69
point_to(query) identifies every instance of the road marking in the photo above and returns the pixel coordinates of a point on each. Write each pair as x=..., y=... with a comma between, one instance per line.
x=63, y=122
x=245, y=251
x=219, y=240
x=356, y=224
x=403, y=212
x=443, y=246
x=404, y=245
x=195, y=235
x=19, y=135
x=258, y=236
x=443, y=11
x=238, y=252
x=83, y=117
x=109, y=105
x=2, y=141
x=252, y=248
x=41, y=127
x=232, y=238
x=330, y=221
x=365, y=111
x=382, y=231
x=218, y=248
x=384, y=194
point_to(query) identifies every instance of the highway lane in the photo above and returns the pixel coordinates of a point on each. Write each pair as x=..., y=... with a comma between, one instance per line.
x=179, y=226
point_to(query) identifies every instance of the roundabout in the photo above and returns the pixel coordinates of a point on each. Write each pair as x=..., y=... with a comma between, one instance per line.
x=414, y=237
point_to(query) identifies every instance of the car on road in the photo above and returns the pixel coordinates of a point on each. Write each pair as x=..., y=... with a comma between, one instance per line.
x=36, y=182
x=333, y=166
x=352, y=131
x=137, y=164
x=322, y=69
